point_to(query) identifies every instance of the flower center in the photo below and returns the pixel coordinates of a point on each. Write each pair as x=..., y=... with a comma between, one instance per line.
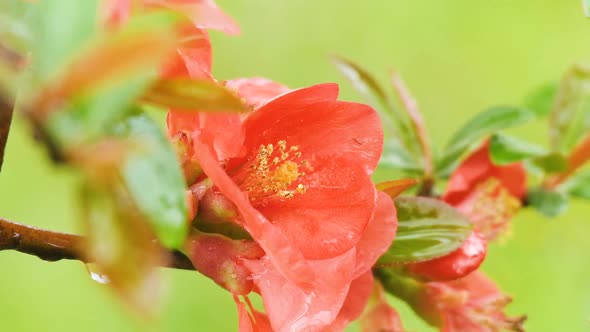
x=490, y=207
x=274, y=172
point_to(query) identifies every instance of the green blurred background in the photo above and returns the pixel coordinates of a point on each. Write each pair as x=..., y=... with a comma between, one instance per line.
x=457, y=56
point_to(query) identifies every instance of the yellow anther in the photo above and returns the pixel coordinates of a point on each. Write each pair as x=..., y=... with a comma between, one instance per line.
x=274, y=172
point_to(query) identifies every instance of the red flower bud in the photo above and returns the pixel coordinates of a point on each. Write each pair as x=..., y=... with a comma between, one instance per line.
x=220, y=259
x=455, y=265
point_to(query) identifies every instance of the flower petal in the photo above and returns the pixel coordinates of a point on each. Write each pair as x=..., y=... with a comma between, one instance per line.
x=477, y=168
x=286, y=258
x=222, y=132
x=257, y=90
x=304, y=310
x=328, y=129
x=254, y=322
x=379, y=315
x=355, y=302
x=329, y=218
x=378, y=236
x=115, y=12
x=205, y=14
x=193, y=58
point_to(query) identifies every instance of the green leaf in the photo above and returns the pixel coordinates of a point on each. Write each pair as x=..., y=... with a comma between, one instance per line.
x=485, y=123
x=548, y=202
x=102, y=82
x=370, y=89
x=552, y=163
x=578, y=186
x=540, y=101
x=120, y=246
x=395, y=156
x=570, y=116
x=362, y=81
x=506, y=150
x=194, y=95
x=60, y=28
x=427, y=228
x=154, y=179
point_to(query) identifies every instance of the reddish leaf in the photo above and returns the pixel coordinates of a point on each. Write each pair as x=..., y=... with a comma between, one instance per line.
x=194, y=95
x=394, y=188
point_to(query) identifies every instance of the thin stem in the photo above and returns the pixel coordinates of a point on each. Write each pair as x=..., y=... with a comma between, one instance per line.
x=579, y=156
x=411, y=107
x=54, y=246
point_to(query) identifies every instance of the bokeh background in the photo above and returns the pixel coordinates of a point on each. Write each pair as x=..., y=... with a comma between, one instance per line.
x=457, y=56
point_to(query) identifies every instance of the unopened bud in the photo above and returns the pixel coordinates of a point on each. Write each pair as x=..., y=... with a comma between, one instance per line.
x=220, y=259
x=455, y=265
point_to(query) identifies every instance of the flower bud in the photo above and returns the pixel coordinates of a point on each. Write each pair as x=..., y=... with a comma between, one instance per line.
x=220, y=259
x=455, y=265
x=184, y=150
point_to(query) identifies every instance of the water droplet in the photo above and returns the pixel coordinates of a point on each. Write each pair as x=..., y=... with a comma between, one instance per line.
x=96, y=276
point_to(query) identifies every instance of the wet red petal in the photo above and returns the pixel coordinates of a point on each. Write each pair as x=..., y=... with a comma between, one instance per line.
x=331, y=215
x=328, y=129
x=290, y=308
x=378, y=235
x=257, y=91
x=285, y=257
x=379, y=315
x=355, y=302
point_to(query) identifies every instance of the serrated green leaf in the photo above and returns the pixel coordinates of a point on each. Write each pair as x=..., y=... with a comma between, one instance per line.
x=60, y=28
x=194, y=95
x=541, y=100
x=506, y=150
x=551, y=163
x=485, y=123
x=548, y=202
x=154, y=179
x=578, y=186
x=427, y=228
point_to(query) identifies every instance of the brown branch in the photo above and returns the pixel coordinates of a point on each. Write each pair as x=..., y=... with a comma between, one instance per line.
x=13, y=60
x=54, y=246
x=6, y=112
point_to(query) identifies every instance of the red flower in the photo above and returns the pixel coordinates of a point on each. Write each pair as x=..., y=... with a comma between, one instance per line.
x=298, y=171
x=455, y=265
x=194, y=55
x=379, y=315
x=469, y=304
x=488, y=194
